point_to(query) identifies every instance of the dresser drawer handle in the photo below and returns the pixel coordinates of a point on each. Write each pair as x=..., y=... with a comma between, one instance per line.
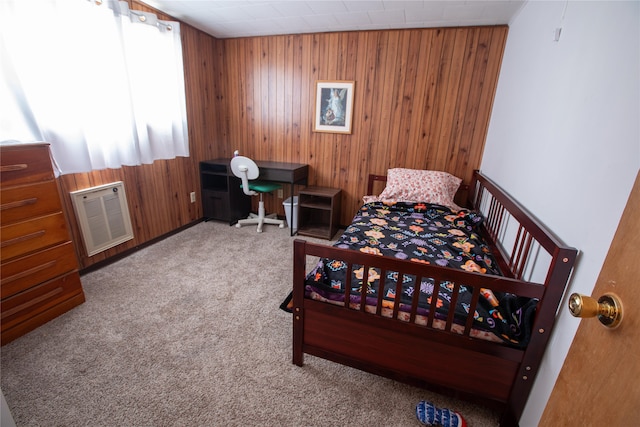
x=12, y=168
x=32, y=302
x=19, y=203
x=22, y=238
x=28, y=272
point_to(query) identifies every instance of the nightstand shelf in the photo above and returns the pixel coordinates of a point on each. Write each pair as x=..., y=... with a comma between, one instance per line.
x=319, y=212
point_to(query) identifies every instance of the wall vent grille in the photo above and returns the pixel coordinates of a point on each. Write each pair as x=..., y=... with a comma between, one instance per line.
x=103, y=216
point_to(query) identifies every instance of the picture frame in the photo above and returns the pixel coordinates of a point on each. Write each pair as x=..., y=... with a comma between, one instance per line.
x=334, y=106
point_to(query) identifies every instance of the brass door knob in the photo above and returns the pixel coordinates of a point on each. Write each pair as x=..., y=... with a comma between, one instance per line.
x=608, y=308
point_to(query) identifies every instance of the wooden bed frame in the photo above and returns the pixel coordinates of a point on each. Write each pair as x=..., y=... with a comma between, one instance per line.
x=441, y=360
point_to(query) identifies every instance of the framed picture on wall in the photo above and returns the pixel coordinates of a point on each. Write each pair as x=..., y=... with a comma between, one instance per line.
x=334, y=106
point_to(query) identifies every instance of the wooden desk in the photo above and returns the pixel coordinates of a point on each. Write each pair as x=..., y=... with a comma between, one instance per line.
x=222, y=197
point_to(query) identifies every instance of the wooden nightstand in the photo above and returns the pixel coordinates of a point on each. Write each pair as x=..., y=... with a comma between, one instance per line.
x=319, y=211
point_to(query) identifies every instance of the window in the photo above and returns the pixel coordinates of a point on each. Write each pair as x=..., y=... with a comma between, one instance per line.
x=103, y=84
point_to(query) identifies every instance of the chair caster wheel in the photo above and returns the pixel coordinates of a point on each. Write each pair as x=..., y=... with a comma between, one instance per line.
x=281, y=226
x=238, y=225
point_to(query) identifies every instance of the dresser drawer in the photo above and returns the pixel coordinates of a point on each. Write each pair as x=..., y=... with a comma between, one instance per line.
x=28, y=304
x=23, y=273
x=24, y=164
x=25, y=237
x=28, y=201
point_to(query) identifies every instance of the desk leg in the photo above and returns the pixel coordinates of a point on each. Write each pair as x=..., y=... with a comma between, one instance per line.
x=291, y=210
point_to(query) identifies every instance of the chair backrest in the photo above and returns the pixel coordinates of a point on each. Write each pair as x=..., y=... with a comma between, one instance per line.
x=245, y=169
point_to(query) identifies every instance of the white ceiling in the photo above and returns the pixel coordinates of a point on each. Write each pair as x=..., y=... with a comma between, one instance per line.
x=247, y=18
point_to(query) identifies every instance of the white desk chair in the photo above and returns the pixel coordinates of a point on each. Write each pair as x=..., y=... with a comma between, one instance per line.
x=247, y=170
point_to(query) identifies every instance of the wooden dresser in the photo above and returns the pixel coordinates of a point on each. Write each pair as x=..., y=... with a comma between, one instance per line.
x=39, y=269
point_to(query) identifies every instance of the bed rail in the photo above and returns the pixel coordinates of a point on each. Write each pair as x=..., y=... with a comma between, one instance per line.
x=441, y=276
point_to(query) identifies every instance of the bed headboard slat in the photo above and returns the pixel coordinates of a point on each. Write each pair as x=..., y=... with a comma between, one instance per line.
x=372, y=181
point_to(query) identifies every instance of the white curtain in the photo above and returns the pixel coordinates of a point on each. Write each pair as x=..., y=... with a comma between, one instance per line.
x=103, y=87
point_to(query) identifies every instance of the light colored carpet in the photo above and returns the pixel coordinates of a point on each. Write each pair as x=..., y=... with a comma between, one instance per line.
x=187, y=332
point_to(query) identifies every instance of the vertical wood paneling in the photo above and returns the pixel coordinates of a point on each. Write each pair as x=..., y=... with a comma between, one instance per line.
x=417, y=92
x=307, y=97
x=422, y=100
x=296, y=98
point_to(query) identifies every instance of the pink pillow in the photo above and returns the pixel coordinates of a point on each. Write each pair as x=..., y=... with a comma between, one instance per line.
x=411, y=185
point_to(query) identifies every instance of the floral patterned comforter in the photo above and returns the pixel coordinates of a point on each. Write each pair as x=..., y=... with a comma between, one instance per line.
x=431, y=234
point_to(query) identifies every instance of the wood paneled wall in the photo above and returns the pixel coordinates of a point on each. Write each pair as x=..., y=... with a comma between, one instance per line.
x=422, y=100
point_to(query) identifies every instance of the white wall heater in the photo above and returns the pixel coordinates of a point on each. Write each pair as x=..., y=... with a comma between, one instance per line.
x=103, y=216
